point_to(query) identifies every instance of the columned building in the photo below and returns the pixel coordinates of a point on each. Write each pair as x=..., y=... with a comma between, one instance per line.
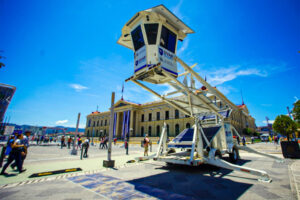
x=149, y=118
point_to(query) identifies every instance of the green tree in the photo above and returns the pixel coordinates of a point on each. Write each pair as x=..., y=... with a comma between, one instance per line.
x=284, y=125
x=296, y=111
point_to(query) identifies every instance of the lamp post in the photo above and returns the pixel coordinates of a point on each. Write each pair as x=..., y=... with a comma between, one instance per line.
x=127, y=139
x=74, y=151
x=109, y=162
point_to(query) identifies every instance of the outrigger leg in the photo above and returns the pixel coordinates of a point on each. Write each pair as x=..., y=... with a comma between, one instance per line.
x=263, y=176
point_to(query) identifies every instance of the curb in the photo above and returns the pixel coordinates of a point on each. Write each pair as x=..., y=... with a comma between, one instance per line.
x=67, y=175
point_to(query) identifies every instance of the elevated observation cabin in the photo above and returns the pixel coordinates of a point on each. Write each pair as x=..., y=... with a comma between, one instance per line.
x=153, y=34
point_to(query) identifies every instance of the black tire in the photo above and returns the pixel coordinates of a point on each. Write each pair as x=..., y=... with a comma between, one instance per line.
x=218, y=154
x=234, y=156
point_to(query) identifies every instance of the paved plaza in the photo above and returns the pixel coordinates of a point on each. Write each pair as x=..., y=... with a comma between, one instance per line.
x=147, y=179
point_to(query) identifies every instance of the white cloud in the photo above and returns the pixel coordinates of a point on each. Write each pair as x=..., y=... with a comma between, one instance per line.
x=183, y=47
x=78, y=87
x=222, y=75
x=270, y=121
x=176, y=10
x=59, y=122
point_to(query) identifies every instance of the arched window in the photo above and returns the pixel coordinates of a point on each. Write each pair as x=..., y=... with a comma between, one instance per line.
x=149, y=130
x=101, y=122
x=89, y=124
x=176, y=129
x=150, y=117
x=168, y=130
x=94, y=123
x=142, y=131
x=96, y=133
x=176, y=114
x=157, y=130
x=188, y=125
x=88, y=133
x=105, y=123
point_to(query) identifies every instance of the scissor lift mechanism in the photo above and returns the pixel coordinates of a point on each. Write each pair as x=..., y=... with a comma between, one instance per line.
x=195, y=105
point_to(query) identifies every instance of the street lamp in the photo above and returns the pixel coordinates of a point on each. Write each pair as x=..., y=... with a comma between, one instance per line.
x=74, y=151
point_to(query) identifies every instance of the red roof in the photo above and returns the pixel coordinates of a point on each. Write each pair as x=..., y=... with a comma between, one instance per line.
x=96, y=112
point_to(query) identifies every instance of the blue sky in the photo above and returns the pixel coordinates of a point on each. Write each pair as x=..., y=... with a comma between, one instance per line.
x=63, y=57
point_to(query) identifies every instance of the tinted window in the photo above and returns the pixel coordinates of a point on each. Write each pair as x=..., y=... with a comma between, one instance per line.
x=167, y=115
x=151, y=32
x=150, y=117
x=158, y=116
x=168, y=39
x=143, y=117
x=137, y=38
x=176, y=114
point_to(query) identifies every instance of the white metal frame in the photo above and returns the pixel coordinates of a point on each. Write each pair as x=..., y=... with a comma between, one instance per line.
x=189, y=107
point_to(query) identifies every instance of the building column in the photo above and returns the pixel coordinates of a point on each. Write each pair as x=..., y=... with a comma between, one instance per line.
x=117, y=124
x=131, y=122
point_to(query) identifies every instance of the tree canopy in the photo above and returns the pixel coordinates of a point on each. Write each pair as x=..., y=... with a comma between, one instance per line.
x=284, y=125
x=296, y=111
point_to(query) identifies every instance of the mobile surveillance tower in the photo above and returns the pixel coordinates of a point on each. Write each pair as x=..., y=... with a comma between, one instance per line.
x=153, y=35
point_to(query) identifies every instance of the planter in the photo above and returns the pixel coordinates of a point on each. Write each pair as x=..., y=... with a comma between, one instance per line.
x=290, y=149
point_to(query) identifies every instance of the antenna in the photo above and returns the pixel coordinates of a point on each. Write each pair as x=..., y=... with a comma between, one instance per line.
x=97, y=108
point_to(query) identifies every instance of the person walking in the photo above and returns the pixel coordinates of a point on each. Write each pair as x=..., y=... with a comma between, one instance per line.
x=62, y=141
x=79, y=141
x=105, y=143
x=69, y=142
x=15, y=154
x=238, y=140
x=85, y=147
x=24, y=150
x=146, y=145
x=101, y=143
x=252, y=139
x=244, y=140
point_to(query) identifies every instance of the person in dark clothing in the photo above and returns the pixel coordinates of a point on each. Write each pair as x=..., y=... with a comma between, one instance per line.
x=85, y=147
x=15, y=154
x=62, y=142
x=105, y=143
x=23, y=150
x=238, y=140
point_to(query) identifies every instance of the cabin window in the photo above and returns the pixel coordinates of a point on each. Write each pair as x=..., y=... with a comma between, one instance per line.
x=168, y=39
x=151, y=32
x=137, y=38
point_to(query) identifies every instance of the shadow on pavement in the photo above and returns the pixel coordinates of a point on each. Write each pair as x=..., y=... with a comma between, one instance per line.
x=187, y=182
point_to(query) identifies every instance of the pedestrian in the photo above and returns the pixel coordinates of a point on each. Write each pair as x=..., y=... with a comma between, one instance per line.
x=101, y=143
x=85, y=147
x=252, y=139
x=69, y=142
x=79, y=141
x=62, y=141
x=238, y=140
x=244, y=140
x=8, y=145
x=146, y=145
x=23, y=150
x=126, y=146
x=15, y=154
x=115, y=141
x=37, y=140
x=105, y=143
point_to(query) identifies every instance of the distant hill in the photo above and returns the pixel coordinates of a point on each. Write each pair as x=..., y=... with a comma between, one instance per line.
x=38, y=129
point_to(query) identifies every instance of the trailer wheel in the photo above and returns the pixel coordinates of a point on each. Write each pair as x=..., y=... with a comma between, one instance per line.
x=234, y=156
